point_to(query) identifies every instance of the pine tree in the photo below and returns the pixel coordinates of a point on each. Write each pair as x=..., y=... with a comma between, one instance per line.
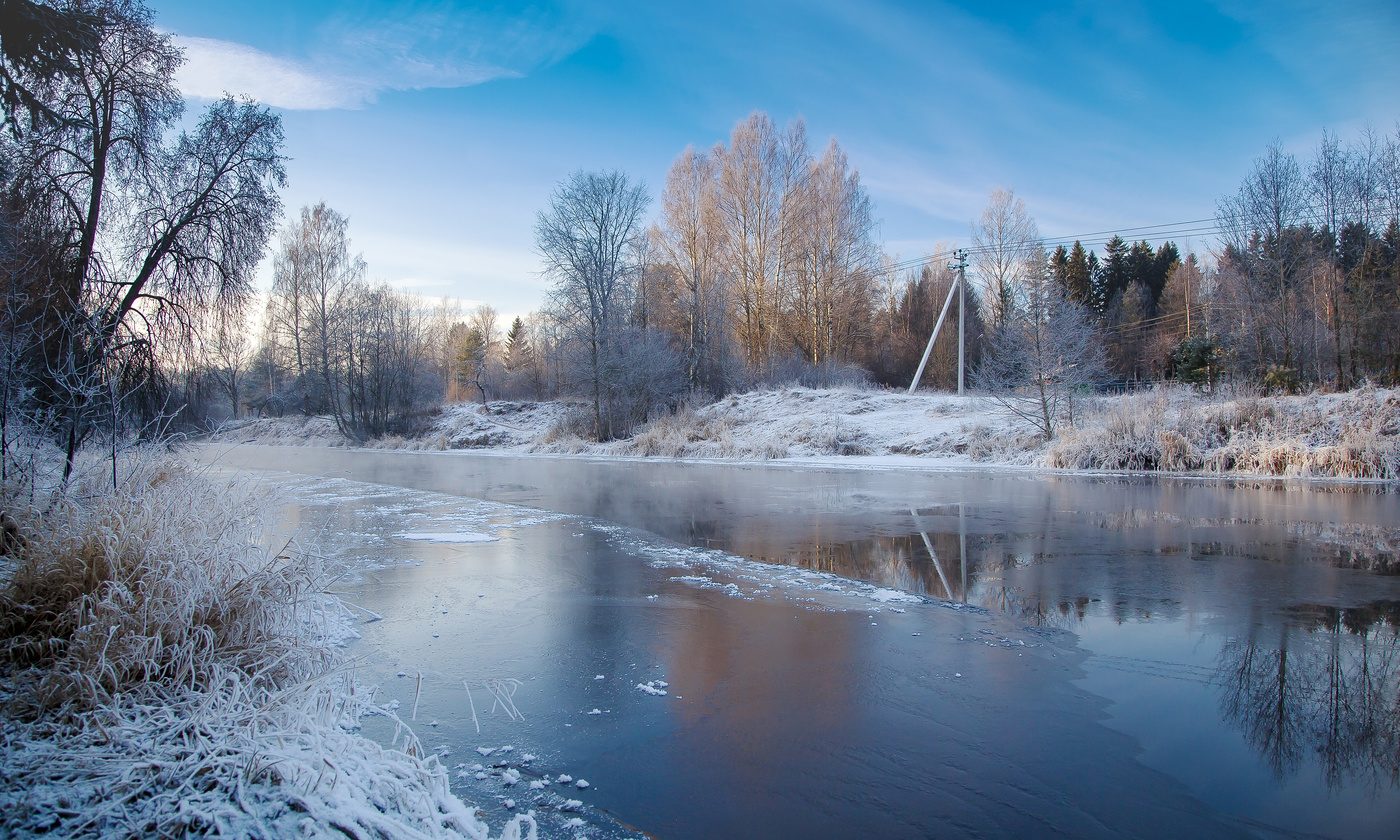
x=1113, y=271
x=1142, y=269
x=1079, y=279
x=1168, y=257
x=1059, y=267
x=517, y=346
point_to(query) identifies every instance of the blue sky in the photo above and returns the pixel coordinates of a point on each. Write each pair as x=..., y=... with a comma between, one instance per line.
x=440, y=128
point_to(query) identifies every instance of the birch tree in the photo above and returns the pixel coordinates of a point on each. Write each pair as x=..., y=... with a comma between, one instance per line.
x=584, y=239
x=1005, y=240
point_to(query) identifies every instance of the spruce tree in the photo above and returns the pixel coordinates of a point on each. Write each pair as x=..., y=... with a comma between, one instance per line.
x=1168, y=257
x=1113, y=271
x=1079, y=278
x=1059, y=267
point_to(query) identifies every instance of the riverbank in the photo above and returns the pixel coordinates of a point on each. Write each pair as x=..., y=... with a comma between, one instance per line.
x=165, y=672
x=1353, y=435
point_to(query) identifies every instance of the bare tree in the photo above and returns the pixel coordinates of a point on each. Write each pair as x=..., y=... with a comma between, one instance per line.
x=1261, y=229
x=1045, y=351
x=154, y=234
x=314, y=289
x=834, y=260
x=690, y=242
x=758, y=176
x=584, y=238
x=230, y=353
x=1005, y=241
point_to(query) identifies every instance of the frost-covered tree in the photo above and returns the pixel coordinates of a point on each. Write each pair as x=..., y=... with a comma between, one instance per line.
x=1005, y=254
x=585, y=239
x=1046, y=351
x=145, y=232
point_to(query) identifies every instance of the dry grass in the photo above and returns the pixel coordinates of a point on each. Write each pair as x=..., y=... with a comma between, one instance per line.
x=687, y=433
x=1352, y=435
x=162, y=674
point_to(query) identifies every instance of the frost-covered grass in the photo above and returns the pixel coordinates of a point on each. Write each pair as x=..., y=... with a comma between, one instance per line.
x=162, y=673
x=1350, y=435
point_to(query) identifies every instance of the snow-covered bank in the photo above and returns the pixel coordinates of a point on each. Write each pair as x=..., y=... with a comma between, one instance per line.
x=1352, y=435
x=161, y=673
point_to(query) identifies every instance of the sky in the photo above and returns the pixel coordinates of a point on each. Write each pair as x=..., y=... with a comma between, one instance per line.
x=440, y=128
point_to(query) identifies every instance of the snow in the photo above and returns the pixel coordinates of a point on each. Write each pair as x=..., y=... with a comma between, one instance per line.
x=794, y=422
x=1342, y=435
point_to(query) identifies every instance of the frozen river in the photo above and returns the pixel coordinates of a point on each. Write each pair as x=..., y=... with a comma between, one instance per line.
x=873, y=653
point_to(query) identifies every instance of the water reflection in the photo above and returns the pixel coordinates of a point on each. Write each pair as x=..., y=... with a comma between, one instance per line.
x=1325, y=683
x=1183, y=593
x=1303, y=684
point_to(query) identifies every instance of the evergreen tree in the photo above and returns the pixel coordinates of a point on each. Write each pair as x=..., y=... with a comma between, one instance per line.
x=517, y=346
x=1142, y=269
x=1079, y=278
x=1168, y=257
x=1059, y=267
x=1113, y=271
x=1098, y=296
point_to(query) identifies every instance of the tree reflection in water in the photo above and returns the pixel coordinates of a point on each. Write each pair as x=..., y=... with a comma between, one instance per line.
x=1327, y=681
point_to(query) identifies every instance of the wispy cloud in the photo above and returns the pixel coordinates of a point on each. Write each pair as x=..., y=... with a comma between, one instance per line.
x=214, y=67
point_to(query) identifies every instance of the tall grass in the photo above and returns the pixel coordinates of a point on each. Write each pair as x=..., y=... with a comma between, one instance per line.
x=162, y=673
x=1351, y=435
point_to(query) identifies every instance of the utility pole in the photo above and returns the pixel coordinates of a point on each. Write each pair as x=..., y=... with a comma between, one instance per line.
x=961, y=257
x=961, y=265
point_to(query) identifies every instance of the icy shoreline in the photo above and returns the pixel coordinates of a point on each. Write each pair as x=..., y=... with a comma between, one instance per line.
x=163, y=672
x=1353, y=436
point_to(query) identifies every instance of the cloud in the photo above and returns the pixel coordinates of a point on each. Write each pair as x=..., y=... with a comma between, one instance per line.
x=213, y=67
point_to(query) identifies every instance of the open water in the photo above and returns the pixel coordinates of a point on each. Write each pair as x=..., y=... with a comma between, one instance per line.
x=872, y=652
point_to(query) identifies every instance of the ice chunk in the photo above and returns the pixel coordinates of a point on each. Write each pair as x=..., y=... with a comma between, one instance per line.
x=565, y=779
x=452, y=537
x=485, y=750
x=886, y=596
x=581, y=784
x=571, y=805
x=599, y=677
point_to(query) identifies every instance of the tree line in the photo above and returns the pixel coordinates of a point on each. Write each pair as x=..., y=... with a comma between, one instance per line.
x=760, y=266
x=128, y=248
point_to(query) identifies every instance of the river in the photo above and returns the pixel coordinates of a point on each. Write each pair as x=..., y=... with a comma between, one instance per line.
x=865, y=652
